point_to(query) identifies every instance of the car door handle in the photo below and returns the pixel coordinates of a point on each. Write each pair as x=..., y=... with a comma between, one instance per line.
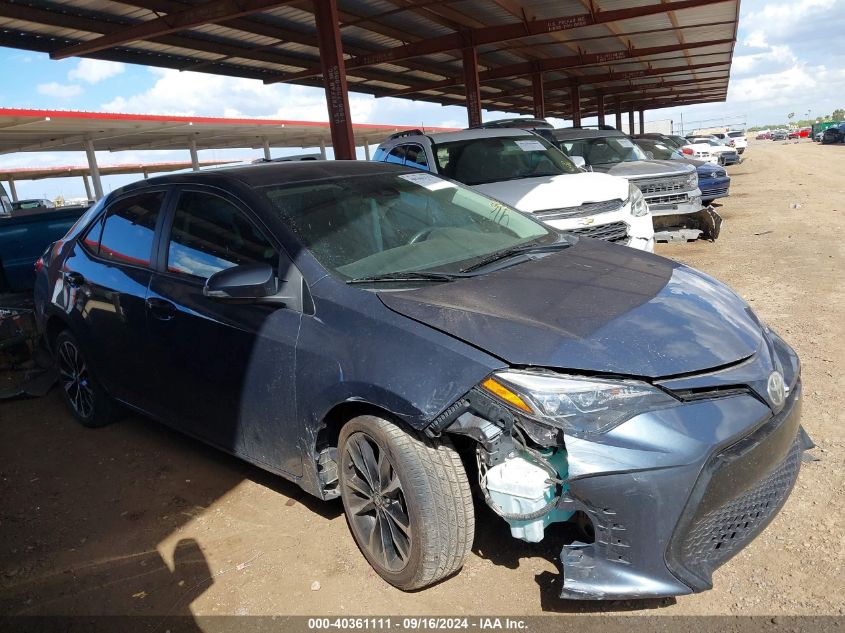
x=161, y=309
x=72, y=279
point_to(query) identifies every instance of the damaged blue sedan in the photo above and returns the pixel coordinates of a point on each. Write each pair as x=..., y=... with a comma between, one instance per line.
x=400, y=341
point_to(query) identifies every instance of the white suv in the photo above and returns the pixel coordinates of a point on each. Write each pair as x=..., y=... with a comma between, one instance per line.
x=739, y=139
x=525, y=171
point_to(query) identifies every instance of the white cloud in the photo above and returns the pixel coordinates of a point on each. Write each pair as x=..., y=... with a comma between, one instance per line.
x=60, y=91
x=198, y=94
x=95, y=70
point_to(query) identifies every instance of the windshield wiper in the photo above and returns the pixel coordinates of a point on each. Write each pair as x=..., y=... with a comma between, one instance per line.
x=513, y=252
x=408, y=275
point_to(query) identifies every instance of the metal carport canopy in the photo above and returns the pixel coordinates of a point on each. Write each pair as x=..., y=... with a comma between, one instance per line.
x=60, y=130
x=493, y=53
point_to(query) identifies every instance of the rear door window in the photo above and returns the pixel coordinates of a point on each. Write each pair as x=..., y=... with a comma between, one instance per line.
x=129, y=229
x=210, y=234
x=415, y=157
x=396, y=155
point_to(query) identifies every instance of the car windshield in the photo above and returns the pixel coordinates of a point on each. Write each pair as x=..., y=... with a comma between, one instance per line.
x=494, y=159
x=736, y=134
x=659, y=150
x=603, y=150
x=390, y=223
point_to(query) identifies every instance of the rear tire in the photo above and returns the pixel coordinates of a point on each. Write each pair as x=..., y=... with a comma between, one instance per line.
x=408, y=502
x=88, y=401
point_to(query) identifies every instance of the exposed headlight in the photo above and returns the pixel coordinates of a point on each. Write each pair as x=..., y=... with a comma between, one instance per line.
x=579, y=406
x=692, y=180
x=639, y=207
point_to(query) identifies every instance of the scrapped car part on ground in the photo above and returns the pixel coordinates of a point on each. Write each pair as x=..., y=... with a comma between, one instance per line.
x=705, y=224
x=25, y=369
x=562, y=378
x=513, y=164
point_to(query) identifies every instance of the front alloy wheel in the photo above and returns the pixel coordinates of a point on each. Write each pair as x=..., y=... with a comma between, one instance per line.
x=378, y=510
x=407, y=501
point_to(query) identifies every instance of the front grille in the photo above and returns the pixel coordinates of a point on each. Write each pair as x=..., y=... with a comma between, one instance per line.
x=715, y=191
x=662, y=185
x=613, y=232
x=722, y=522
x=714, y=535
x=671, y=199
x=582, y=211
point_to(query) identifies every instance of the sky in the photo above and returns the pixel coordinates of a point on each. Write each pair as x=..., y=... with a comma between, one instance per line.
x=789, y=57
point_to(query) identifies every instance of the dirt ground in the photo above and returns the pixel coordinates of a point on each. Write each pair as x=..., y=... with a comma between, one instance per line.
x=136, y=519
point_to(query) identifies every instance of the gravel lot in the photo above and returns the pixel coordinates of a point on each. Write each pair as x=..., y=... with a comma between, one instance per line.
x=135, y=519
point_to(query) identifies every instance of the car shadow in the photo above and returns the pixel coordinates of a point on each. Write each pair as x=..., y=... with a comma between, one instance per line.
x=90, y=518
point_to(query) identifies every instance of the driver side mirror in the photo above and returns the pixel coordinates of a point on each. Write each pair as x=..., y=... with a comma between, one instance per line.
x=579, y=162
x=258, y=283
x=244, y=283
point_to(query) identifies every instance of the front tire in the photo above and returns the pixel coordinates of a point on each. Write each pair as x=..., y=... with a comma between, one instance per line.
x=88, y=401
x=408, y=502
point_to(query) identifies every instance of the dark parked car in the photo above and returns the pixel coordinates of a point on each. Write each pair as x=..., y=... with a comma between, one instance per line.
x=33, y=203
x=24, y=234
x=713, y=181
x=360, y=327
x=834, y=134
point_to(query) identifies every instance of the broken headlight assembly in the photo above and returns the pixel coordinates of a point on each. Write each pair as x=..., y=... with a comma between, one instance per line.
x=692, y=180
x=578, y=406
x=639, y=207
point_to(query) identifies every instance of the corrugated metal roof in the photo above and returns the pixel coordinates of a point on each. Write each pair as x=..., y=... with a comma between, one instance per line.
x=279, y=44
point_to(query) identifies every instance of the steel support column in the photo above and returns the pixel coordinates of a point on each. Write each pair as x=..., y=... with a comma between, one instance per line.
x=366, y=150
x=473, y=93
x=619, y=113
x=642, y=122
x=95, y=170
x=195, y=160
x=322, y=149
x=631, y=120
x=12, y=190
x=575, y=93
x=334, y=78
x=600, y=107
x=87, y=184
x=539, y=95
x=266, y=149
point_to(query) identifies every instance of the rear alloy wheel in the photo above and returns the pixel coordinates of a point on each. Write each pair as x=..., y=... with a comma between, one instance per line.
x=88, y=402
x=407, y=501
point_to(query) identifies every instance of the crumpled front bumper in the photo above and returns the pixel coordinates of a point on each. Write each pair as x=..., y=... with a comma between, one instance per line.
x=674, y=494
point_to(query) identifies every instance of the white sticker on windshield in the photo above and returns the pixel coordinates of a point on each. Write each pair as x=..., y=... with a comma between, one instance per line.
x=624, y=142
x=429, y=181
x=531, y=146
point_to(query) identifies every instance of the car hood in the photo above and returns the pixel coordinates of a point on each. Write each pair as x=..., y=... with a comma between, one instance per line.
x=594, y=307
x=643, y=168
x=706, y=171
x=556, y=192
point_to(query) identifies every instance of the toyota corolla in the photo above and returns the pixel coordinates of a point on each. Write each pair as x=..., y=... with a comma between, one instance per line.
x=397, y=340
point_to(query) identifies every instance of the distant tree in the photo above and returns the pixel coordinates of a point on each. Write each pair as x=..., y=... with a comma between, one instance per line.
x=838, y=114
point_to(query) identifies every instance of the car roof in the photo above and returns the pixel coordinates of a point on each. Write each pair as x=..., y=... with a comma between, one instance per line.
x=271, y=173
x=463, y=135
x=568, y=133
